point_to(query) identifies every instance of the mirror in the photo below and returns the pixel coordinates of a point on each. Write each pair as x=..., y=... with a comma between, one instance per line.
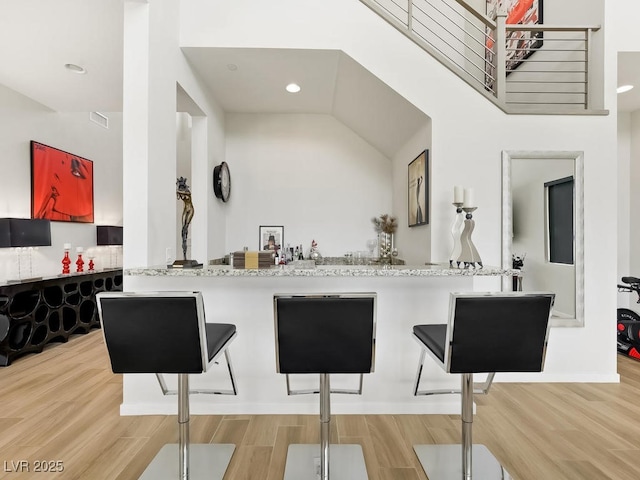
x=553, y=251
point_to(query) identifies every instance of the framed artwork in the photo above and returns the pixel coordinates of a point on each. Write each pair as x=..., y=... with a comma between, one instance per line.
x=61, y=185
x=418, y=188
x=520, y=44
x=271, y=237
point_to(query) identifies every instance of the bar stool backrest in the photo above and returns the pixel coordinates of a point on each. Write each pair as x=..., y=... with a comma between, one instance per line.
x=154, y=332
x=504, y=332
x=327, y=333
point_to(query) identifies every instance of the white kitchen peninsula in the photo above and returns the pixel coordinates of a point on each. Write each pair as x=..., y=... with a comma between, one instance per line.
x=406, y=295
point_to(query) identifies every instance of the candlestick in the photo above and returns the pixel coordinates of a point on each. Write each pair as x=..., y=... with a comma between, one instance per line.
x=469, y=255
x=456, y=232
x=79, y=263
x=66, y=261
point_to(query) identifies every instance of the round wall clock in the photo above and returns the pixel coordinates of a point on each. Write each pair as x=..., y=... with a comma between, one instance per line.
x=222, y=181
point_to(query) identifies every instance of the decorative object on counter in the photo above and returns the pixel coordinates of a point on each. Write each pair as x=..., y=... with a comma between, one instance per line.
x=61, y=185
x=418, y=188
x=464, y=251
x=24, y=234
x=184, y=193
x=372, y=243
x=112, y=237
x=456, y=229
x=385, y=225
x=517, y=263
x=91, y=255
x=79, y=261
x=270, y=237
x=314, y=253
x=469, y=256
x=247, y=259
x=66, y=261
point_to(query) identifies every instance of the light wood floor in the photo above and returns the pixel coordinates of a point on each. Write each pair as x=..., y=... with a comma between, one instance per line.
x=62, y=405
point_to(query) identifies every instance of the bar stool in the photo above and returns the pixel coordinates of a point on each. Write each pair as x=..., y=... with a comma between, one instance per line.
x=324, y=334
x=165, y=332
x=486, y=333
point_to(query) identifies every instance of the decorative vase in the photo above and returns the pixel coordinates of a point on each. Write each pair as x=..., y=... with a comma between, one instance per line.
x=315, y=255
x=66, y=261
x=385, y=248
x=80, y=264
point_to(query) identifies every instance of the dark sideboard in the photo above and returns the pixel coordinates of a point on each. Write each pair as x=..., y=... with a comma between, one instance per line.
x=51, y=310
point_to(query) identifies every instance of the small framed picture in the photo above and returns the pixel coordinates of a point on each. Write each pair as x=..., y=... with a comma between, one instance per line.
x=271, y=237
x=418, y=187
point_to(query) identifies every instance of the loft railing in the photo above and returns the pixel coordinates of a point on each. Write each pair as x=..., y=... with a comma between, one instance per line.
x=522, y=68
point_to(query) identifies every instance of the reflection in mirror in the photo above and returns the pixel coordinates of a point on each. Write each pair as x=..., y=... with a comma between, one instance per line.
x=542, y=221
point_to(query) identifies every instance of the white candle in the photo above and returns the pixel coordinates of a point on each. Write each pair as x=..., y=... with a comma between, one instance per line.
x=79, y=249
x=457, y=194
x=67, y=246
x=469, y=200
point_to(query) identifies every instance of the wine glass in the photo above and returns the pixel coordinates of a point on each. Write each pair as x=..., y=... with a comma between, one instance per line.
x=371, y=245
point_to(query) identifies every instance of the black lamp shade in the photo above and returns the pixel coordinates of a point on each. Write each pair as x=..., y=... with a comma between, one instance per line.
x=109, y=235
x=25, y=232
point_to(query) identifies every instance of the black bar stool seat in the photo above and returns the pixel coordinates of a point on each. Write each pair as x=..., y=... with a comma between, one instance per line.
x=486, y=333
x=166, y=333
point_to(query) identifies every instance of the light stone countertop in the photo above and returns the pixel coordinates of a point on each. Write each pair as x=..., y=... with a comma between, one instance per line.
x=431, y=270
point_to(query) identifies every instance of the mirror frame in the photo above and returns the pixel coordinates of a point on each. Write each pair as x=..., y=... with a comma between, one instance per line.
x=578, y=215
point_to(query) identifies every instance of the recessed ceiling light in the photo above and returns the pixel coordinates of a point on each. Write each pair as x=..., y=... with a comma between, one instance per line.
x=624, y=88
x=75, y=68
x=232, y=66
x=293, y=88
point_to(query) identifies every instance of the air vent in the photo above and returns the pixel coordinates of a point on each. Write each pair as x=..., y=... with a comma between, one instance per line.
x=99, y=118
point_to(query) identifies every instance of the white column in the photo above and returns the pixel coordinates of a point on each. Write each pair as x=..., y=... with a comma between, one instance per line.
x=149, y=122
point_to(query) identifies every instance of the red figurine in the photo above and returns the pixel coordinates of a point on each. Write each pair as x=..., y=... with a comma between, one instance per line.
x=91, y=264
x=66, y=261
x=79, y=263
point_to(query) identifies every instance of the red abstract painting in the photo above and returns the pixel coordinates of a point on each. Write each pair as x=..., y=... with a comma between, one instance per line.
x=61, y=185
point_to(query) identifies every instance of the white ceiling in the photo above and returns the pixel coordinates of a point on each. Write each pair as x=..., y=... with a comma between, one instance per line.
x=37, y=37
x=331, y=81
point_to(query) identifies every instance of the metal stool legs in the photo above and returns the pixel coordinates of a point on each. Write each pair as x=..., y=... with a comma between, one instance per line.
x=325, y=461
x=443, y=462
x=195, y=462
x=183, y=424
x=325, y=425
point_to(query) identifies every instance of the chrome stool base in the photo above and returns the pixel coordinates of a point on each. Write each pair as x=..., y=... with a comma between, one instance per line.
x=206, y=461
x=346, y=462
x=444, y=462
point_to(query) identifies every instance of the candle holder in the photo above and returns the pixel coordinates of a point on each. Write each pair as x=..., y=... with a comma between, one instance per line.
x=469, y=255
x=66, y=261
x=456, y=232
x=79, y=261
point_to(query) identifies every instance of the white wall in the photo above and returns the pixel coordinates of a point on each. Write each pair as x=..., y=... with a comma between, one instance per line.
x=414, y=244
x=633, y=221
x=308, y=173
x=624, y=38
x=23, y=120
x=625, y=220
x=468, y=135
